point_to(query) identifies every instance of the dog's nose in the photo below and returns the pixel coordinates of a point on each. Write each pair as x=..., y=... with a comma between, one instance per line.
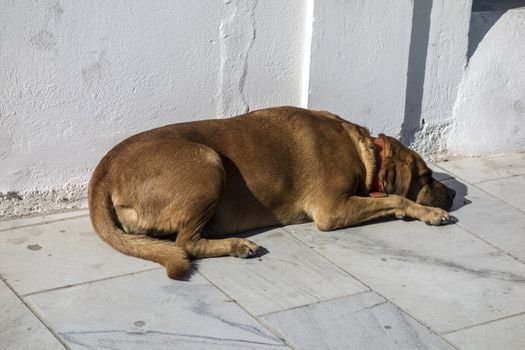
x=451, y=193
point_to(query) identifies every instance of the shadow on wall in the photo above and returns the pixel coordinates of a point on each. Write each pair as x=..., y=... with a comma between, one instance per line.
x=485, y=13
x=417, y=59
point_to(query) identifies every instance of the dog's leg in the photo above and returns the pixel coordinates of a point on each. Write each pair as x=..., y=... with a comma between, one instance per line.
x=197, y=247
x=208, y=248
x=353, y=210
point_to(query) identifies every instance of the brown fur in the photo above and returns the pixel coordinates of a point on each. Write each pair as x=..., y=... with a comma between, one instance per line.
x=276, y=166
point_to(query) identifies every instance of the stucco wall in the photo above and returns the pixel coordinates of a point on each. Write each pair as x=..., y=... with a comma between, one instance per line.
x=359, y=61
x=432, y=94
x=77, y=77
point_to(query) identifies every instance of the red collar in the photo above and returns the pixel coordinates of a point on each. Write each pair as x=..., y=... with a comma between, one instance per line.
x=377, y=187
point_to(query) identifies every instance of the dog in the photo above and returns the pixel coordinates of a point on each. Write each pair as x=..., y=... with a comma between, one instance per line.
x=173, y=193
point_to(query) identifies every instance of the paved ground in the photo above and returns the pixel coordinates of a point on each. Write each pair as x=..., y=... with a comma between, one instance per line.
x=387, y=285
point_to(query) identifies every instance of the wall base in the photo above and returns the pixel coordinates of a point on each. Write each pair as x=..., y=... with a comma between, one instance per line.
x=33, y=202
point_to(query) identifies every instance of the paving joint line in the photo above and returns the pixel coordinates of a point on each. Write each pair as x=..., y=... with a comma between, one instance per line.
x=319, y=302
x=497, y=179
x=42, y=223
x=484, y=323
x=255, y=317
x=88, y=282
x=36, y=314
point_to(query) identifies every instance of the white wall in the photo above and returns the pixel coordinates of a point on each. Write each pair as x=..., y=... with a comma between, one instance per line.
x=77, y=77
x=428, y=116
x=489, y=115
x=359, y=61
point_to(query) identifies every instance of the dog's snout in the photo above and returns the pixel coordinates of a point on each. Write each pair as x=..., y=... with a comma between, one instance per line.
x=451, y=193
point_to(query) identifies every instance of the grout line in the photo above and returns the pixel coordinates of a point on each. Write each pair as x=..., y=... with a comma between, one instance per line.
x=483, y=323
x=36, y=314
x=380, y=294
x=88, y=282
x=476, y=182
x=452, y=175
x=43, y=223
x=319, y=302
x=255, y=317
x=499, y=178
x=445, y=178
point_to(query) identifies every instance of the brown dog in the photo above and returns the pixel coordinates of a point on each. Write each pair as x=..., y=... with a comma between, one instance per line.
x=275, y=166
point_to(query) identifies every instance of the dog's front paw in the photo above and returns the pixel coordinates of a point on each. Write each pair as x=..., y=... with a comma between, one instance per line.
x=245, y=249
x=436, y=216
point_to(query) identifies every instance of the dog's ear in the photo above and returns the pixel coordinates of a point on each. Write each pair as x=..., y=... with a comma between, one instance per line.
x=387, y=173
x=405, y=170
x=397, y=169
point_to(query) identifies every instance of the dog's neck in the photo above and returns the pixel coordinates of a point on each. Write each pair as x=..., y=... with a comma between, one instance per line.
x=377, y=187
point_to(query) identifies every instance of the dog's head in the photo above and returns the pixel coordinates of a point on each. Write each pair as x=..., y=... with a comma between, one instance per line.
x=403, y=172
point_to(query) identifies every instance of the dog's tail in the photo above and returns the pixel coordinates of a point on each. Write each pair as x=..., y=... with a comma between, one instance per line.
x=103, y=218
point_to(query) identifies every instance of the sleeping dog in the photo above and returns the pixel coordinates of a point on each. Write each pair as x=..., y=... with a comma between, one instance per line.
x=204, y=181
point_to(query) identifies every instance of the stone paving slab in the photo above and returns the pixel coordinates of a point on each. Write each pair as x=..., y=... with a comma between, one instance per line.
x=289, y=275
x=489, y=218
x=510, y=190
x=149, y=311
x=508, y=333
x=364, y=321
x=442, y=276
x=58, y=254
x=19, y=327
x=462, y=283
x=479, y=169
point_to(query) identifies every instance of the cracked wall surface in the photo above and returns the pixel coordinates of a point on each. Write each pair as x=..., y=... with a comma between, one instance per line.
x=236, y=37
x=77, y=78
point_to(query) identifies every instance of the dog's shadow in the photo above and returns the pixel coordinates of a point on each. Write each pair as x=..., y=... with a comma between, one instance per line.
x=460, y=201
x=461, y=190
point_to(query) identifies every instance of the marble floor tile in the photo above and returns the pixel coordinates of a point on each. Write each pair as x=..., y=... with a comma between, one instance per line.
x=40, y=219
x=19, y=328
x=442, y=276
x=363, y=321
x=149, y=311
x=479, y=169
x=510, y=190
x=289, y=275
x=508, y=333
x=58, y=254
x=488, y=218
